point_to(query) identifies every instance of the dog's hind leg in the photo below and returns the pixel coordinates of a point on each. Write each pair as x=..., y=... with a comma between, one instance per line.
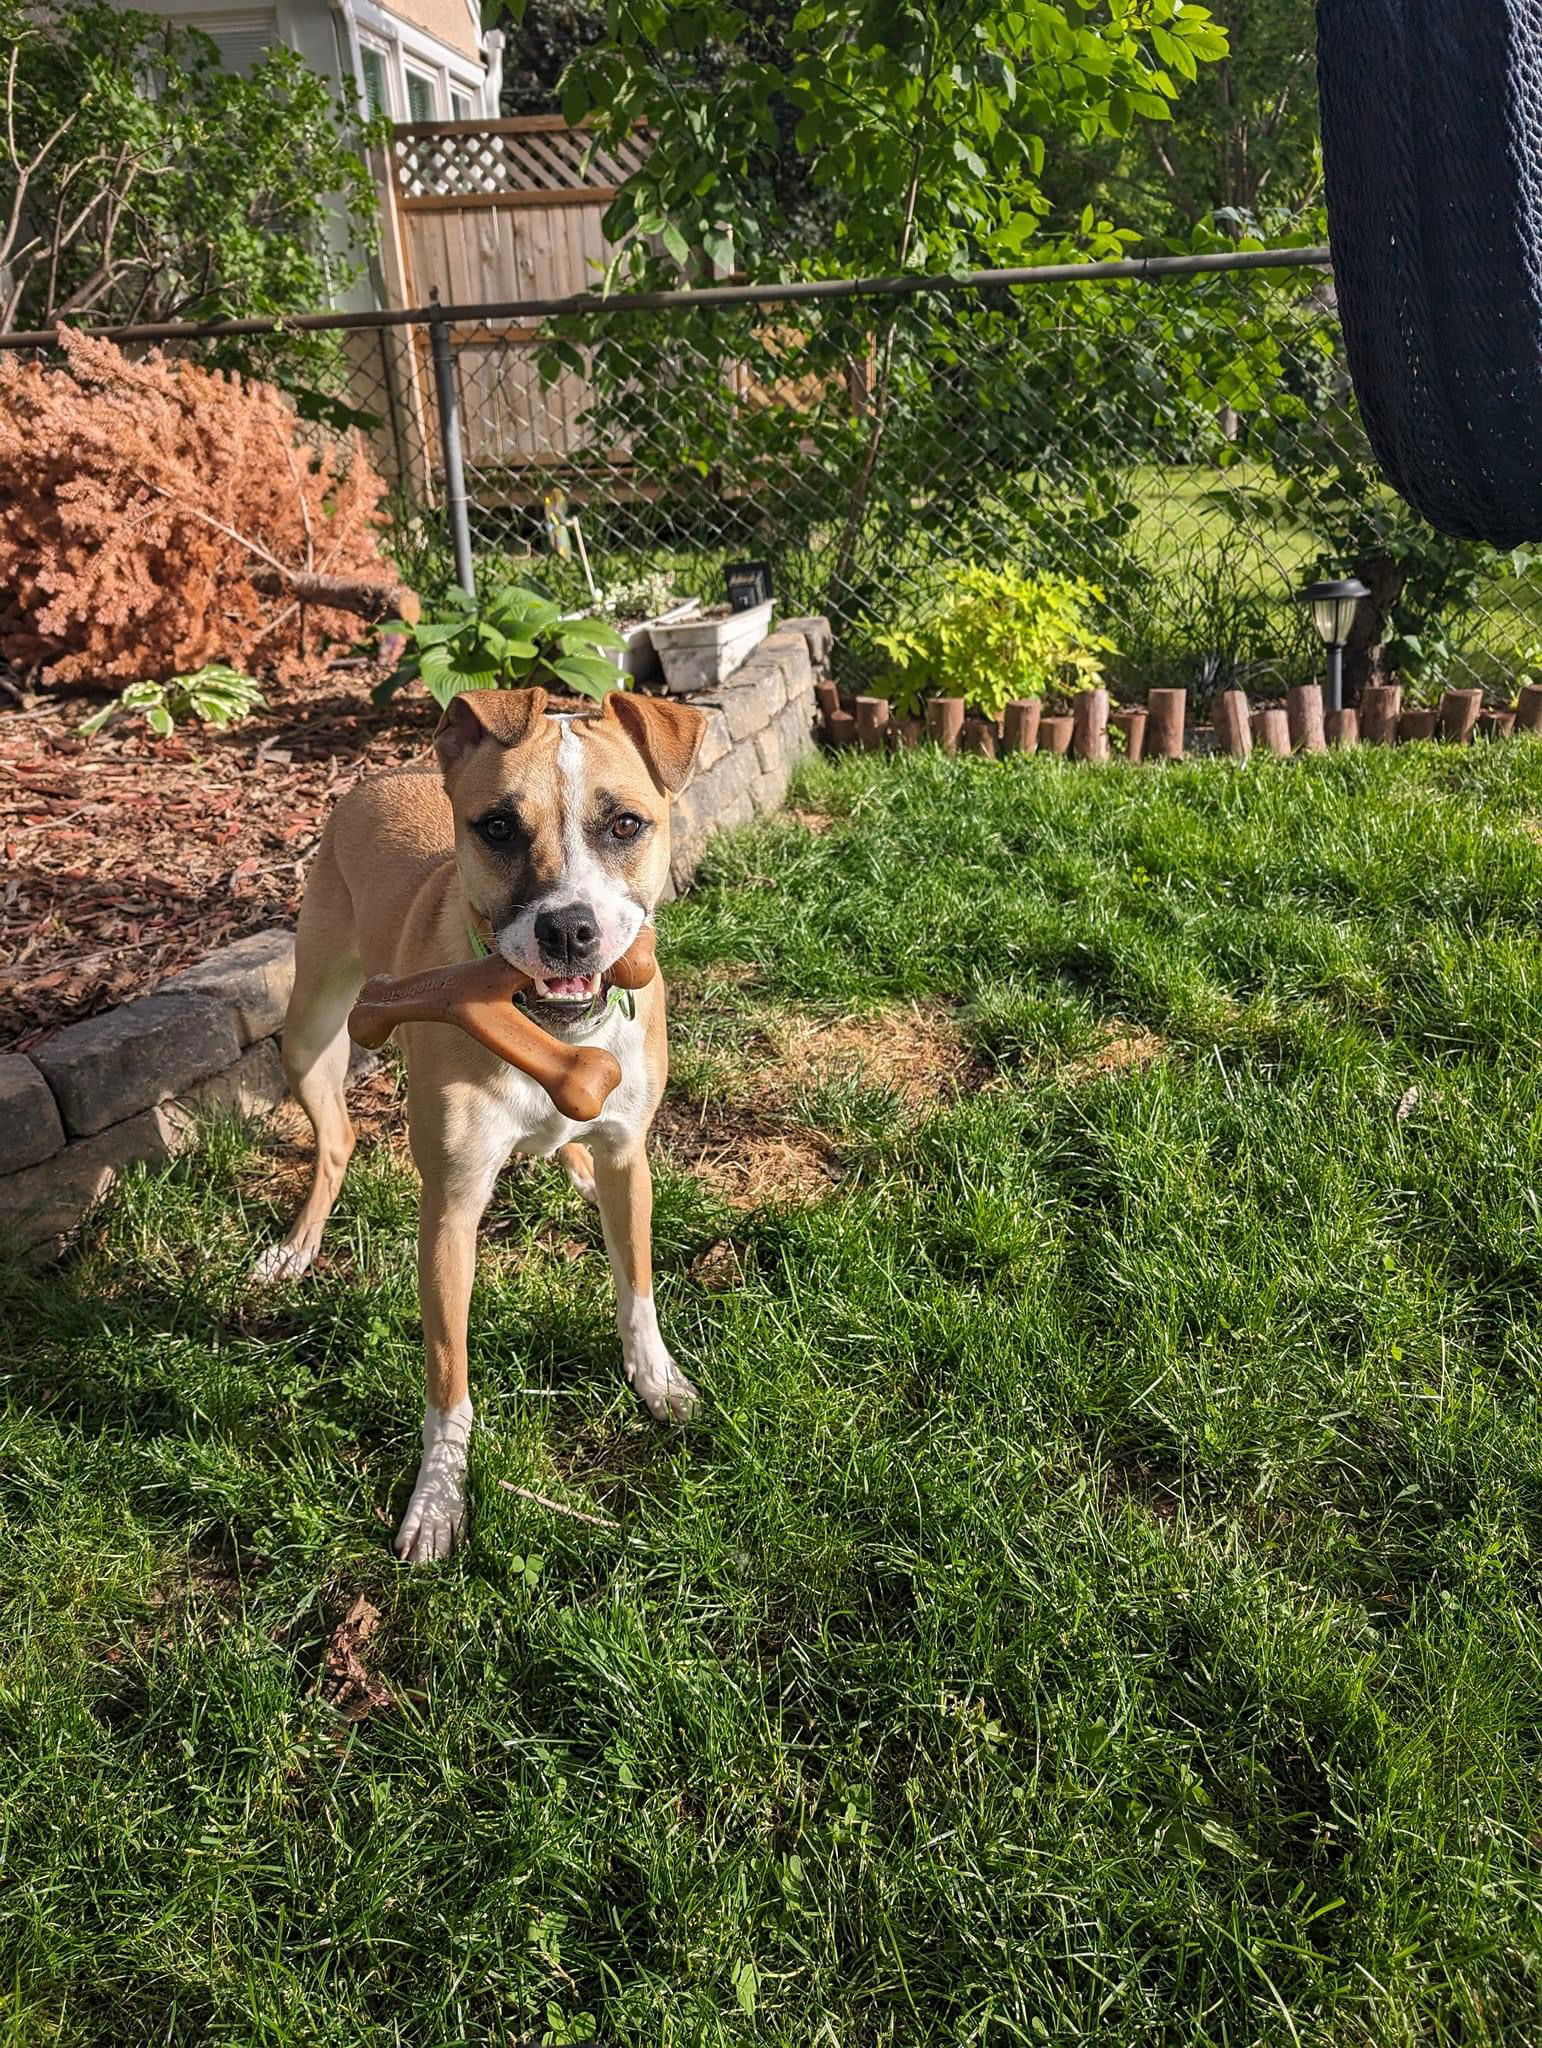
x=327, y=977
x=577, y=1163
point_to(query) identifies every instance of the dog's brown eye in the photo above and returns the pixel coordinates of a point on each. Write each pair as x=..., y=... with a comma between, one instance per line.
x=497, y=828
x=627, y=826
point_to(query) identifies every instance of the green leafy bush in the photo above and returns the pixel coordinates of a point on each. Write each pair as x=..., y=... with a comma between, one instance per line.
x=145, y=182
x=217, y=695
x=997, y=635
x=503, y=641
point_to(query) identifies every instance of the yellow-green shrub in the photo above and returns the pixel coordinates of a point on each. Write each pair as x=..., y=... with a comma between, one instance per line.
x=995, y=635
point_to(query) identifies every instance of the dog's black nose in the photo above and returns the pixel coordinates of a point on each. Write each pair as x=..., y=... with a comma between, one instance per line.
x=569, y=938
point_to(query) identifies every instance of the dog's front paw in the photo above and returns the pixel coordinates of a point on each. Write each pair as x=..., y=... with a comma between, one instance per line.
x=435, y=1520
x=663, y=1388
x=282, y=1262
x=434, y=1523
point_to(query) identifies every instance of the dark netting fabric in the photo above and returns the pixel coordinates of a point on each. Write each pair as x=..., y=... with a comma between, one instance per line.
x=1432, y=147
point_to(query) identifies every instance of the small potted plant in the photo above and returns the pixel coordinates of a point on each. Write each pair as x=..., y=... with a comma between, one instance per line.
x=634, y=607
x=503, y=639
x=1501, y=701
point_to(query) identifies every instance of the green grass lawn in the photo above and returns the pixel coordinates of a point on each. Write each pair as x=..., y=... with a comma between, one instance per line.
x=1098, y=1603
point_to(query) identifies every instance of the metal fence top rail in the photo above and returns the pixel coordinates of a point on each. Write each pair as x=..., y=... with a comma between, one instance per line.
x=1135, y=267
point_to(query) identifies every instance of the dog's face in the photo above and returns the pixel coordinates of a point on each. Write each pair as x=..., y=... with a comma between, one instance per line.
x=562, y=828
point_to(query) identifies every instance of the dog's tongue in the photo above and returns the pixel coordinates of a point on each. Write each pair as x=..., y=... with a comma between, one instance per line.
x=568, y=985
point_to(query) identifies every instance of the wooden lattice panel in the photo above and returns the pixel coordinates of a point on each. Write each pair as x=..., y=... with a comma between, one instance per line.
x=518, y=162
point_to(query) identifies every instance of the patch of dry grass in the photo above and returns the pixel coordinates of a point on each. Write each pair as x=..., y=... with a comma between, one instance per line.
x=1124, y=1049
x=739, y=1119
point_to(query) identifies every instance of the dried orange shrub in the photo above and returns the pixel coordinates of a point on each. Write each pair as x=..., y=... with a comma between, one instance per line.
x=139, y=499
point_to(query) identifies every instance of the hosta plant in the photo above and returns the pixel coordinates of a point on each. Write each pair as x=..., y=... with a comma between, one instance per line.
x=502, y=640
x=993, y=635
x=216, y=695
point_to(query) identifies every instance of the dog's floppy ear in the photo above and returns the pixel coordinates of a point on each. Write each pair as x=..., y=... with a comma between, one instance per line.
x=507, y=716
x=666, y=734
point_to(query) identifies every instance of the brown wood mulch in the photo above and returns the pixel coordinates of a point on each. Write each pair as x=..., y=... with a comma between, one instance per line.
x=124, y=858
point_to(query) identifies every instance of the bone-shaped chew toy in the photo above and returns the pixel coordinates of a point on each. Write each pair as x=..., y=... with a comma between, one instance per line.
x=478, y=995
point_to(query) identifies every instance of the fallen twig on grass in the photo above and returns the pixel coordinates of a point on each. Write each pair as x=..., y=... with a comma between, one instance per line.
x=544, y=1500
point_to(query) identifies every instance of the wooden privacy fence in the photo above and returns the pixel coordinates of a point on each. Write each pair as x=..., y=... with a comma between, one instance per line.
x=486, y=212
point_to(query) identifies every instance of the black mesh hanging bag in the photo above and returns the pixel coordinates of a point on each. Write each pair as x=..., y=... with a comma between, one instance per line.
x=1432, y=149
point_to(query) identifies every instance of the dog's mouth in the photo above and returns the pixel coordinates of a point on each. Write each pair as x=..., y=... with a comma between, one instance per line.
x=564, y=998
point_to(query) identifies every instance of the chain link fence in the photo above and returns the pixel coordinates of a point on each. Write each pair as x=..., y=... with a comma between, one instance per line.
x=1186, y=444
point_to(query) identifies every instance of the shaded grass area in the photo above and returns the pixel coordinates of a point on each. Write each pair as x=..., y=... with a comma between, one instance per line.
x=1099, y=1603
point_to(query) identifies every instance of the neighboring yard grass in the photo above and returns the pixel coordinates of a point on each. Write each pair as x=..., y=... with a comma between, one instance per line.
x=1099, y=1602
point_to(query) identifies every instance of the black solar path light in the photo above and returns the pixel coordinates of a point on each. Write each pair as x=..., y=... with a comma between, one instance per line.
x=1332, y=606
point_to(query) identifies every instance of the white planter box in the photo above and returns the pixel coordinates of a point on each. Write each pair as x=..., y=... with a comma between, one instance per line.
x=639, y=658
x=698, y=654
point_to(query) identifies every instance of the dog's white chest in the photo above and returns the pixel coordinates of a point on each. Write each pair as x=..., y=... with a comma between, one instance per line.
x=532, y=1124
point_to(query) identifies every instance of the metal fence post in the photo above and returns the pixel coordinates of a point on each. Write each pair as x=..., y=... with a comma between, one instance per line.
x=449, y=442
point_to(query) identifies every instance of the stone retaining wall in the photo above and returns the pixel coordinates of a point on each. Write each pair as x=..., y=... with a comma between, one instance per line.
x=132, y=1083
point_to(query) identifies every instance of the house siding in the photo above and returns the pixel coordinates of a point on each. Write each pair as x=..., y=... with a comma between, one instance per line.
x=449, y=20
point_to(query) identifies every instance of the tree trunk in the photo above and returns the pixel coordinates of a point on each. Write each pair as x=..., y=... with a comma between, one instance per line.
x=1364, y=660
x=372, y=601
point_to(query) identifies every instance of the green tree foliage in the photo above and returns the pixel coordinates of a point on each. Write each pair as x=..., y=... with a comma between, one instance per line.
x=139, y=181
x=923, y=124
x=1243, y=152
x=863, y=137
x=544, y=36
x=1248, y=142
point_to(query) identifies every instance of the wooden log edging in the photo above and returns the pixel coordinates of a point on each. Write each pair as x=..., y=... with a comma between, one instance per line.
x=1021, y=734
x=945, y=722
x=1130, y=719
x=1459, y=714
x=1303, y=713
x=1157, y=730
x=1381, y=705
x=1271, y=730
x=872, y=714
x=1164, y=724
x=1089, y=725
x=1233, y=728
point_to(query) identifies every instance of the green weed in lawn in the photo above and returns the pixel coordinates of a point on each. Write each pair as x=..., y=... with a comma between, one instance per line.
x=1099, y=1603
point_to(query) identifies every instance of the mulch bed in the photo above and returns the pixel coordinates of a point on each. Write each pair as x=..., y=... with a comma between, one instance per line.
x=126, y=858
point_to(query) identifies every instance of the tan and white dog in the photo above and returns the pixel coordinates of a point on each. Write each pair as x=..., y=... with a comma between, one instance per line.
x=549, y=831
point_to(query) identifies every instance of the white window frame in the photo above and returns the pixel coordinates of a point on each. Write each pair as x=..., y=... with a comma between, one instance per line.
x=368, y=47
x=431, y=76
x=408, y=45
